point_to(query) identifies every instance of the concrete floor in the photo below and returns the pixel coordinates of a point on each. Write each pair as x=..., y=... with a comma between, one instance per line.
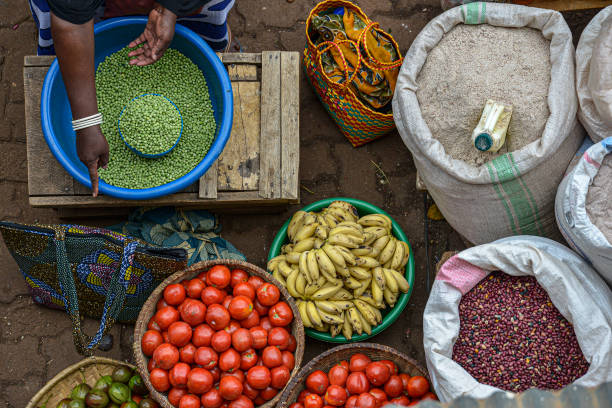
x=36, y=343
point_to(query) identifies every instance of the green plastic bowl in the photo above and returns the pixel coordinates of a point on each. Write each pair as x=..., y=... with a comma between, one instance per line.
x=389, y=315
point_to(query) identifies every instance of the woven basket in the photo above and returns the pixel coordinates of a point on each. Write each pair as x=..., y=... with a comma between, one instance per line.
x=149, y=308
x=62, y=384
x=328, y=359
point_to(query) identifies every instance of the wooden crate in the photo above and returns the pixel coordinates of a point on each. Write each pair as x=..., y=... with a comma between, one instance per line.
x=259, y=166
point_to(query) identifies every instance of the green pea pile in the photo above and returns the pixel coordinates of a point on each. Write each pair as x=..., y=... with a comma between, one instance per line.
x=150, y=124
x=178, y=79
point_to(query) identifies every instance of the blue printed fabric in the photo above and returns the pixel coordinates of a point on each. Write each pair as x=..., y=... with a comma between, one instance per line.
x=196, y=231
x=210, y=23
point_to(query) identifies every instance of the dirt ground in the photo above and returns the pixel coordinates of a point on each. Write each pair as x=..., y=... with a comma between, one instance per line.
x=36, y=343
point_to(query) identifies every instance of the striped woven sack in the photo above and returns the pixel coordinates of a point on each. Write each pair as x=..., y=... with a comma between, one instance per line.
x=357, y=120
x=89, y=271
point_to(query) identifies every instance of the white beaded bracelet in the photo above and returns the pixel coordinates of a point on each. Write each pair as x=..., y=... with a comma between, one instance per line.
x=86, y=122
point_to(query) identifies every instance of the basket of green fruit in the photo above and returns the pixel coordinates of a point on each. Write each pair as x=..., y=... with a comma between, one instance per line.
x=92, y=383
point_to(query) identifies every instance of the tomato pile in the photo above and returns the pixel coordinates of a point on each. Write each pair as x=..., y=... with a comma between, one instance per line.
x=362, y=383
x=221, y=339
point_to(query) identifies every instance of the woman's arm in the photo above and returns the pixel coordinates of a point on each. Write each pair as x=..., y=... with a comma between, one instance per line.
x=74, y=46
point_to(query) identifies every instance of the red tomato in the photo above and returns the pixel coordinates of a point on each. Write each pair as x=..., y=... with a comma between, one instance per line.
x=242, y=340
x=292, y=343
x=159, y=379
x=272, y=357
x=206, y=357
x=317, y=382
x=344, y=364
x=240, y=307
x=195, y=288
x=192, y=311
x=379, y=395
x=351, y=402
x=335, y=395
x=244, y=289
x=174, y=395
x=218, y=276
x=378, y=373
x=152, y=325
x=252, y=320
x=174, y=294
x=229, y=360
x=259, y=377
x=237, y=373
x=179, y=333
x=202, y=335
x=178, y=375
x=394, y=387
x=260, y=337
x=241, y=402
x=226, y=301
x=151, y=365
x=249, y=391
x=232, y=327
x=216, y=373
x=338, y=374
x=280, y=377
x=280, y=314
x=279, y=337
x=259, y=401
x=161, y=303
x=165, y=316
x=212, y=295
x=248, y=359
x=302, y=396
x=230, y=388
x=313, y=401
x=268, y=294
x=268, y=393
x=296, y=405
x=255, y=281
x=429, y=395
x=417, y=386
x=149, y=342
x=288, y=360
x=405, y=377
x=212, y=399
x=199, y=381
x=357, y=383
x=221, y=341
x=366, y=400
x=217, y=317
x=238, y=276
x=189, y=401
x=359, y=362
x=187, y=353
x=165, y=337
x=259, y=308
x=392, y=366
x=403, y=401
x=265, y=323
x=166, y=355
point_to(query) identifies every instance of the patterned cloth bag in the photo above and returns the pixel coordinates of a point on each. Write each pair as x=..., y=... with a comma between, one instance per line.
x=89, y=271
x=353, y=66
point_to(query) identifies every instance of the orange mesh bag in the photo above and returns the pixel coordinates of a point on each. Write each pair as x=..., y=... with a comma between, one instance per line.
x=356, y=82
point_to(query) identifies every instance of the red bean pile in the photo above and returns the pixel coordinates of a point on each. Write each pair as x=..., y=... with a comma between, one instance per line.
x=512, y=337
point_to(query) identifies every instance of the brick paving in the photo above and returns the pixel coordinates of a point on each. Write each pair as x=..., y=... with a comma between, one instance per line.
x=36, y=343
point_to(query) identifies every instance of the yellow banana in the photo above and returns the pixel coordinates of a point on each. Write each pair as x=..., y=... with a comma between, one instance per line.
x=390, y=298
x=313, y=266
x=370, y=237
x=346, y=230
x=343, y=240
x=313, y=314
x=365, y=311
x=367, y=327
x=331, y=221
x=304, y=245
x=318, y=243
x=300, y=284
x=321, y=220
x=366, y=301
x=355, y=320
x=351, y=224
x=304, y=314
x=375, y=220
x=273, y=263
x=340, y=214
x=296, y=221
x=365, y=284
x=293, y=257
x=348, y=256
x=306, y=231
x=348, y=207
x=336, y=329
x=401, y=281
x=367, y=262
x=359, y=272
x=342, y=294
x=379, y=276
x=377, y=293
x=387, y=253
x=279, y=277
x=321, y=232
x=291, y=284
x=328, y=306
x=329, y=278
x=326, y=292
x=303, y=266
x=406, y=255
x=330, y=318
x=378, y=232
x=347, y=329
x=335, y=255
x=342, y=304
x=284, y=268
x=352, y=283
x=398, y=256
x=381, y=242
x=285, y=249
x=313, y=287
x=362, y=250
x=390, y=281
x=342, y=271
x=325, y=264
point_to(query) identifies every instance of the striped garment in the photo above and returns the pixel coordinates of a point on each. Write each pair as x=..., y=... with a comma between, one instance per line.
x=210, y=22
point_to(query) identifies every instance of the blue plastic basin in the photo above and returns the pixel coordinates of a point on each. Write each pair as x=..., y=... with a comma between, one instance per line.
x=110, y=36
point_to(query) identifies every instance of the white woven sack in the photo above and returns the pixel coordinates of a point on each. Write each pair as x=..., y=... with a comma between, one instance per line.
x=570, y=210
x=513, y=194
x=575, y=289
x=587, y=112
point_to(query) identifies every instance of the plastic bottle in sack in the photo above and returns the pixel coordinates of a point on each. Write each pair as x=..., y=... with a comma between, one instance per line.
x=490, y=133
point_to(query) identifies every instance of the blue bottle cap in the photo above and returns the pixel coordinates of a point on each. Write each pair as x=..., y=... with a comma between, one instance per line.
x=483, y=142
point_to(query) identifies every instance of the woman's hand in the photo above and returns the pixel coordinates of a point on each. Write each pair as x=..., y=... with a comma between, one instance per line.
x=92, y=149
x=156, y=37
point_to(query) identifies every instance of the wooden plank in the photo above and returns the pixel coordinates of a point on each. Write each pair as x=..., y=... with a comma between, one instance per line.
x=290, y=127
x=269, y=165
x=38, y=60
x=241, y=58
x=45, y=175
x=239, y=162
x=567, y=5
x=208, y=183
x=242, y=72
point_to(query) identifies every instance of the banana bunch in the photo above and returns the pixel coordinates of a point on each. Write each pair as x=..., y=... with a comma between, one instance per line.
x=341, y=268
